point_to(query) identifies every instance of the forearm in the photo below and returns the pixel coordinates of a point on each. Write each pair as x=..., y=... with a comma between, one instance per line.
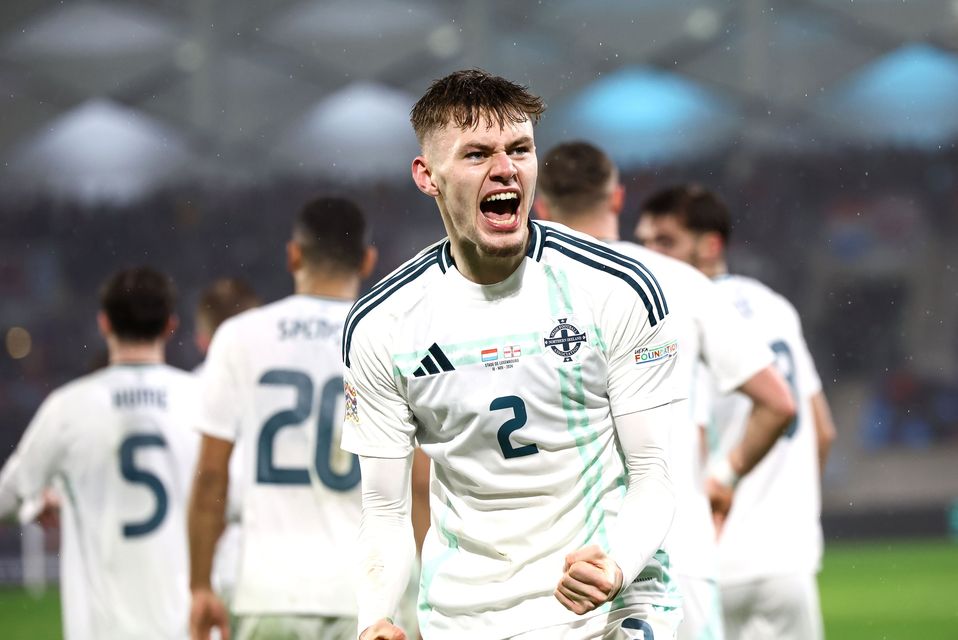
x=9, y=500
x=387, y=547
x=772, y=409
x=825, y=431
x=649, y=505
x=420, y=498
x=205, y=522
x=762, y=430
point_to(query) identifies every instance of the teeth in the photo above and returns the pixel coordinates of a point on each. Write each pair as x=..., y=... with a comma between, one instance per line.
x=511, y=195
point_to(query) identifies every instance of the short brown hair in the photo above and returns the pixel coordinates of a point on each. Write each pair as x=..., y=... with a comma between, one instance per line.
x=467, y=96
x=138, y=302
x=331, y=233
x=575, y=175
x=696, y=207
x=223, y=299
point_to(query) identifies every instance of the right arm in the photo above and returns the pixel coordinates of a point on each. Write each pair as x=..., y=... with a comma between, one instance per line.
x=825, y=431
x=772, y=409
x=380, y=428
x=206, y=515
x=386, y=542
x=206, y=519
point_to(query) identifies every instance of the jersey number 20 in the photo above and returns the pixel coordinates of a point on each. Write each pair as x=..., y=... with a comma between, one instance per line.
x=269, y=473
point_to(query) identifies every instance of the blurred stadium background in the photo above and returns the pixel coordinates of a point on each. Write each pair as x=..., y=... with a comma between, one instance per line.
x=185, y=134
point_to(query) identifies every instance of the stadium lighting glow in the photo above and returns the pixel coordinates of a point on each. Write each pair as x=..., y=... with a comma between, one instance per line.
x=19, y=343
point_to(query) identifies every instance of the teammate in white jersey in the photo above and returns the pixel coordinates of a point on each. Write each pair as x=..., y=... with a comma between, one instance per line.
x=579, y=186
x=221, y=300
x=532, y=365
x=273, y=378
x=118, y=443
x=771, y=542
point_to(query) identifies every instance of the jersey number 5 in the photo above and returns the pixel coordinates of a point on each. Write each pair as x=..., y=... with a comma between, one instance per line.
x=269, y=473
x=515, y=423
x=135, y=475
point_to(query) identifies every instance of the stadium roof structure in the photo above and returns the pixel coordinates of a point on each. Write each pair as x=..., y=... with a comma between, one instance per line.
x=234, y=80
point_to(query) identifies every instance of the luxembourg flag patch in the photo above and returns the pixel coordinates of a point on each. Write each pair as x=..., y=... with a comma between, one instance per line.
x=488, y=355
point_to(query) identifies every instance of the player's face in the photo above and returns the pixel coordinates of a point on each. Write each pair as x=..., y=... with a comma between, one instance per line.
x=484, y=181
x=667, y=235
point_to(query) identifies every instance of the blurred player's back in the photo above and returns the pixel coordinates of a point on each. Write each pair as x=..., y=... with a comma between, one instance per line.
x=773, y=527
x=279, y=369
x=128, y=450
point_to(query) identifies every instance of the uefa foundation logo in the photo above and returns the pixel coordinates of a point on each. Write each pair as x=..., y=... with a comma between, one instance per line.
x=565, y=340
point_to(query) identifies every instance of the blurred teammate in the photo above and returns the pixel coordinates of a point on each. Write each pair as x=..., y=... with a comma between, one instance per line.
x=273, y=379
x=221, y=300
x=119, y=443
x=579, y=187
x=509, y=353
x=771, y=542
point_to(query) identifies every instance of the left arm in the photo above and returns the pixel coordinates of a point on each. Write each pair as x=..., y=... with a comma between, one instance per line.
x=592, y=577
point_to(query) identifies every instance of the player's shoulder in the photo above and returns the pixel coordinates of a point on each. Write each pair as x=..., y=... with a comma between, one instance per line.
x=764, y=299
x=663, y=266
x=599, y=267
x=397, y=293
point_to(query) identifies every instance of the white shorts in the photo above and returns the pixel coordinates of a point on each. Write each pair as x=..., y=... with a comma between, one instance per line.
x=702, y=609
x=634, y=622
x=782, y=607
x=289, y=627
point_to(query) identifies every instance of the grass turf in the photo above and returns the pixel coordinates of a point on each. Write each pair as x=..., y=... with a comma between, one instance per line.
x=892, y=590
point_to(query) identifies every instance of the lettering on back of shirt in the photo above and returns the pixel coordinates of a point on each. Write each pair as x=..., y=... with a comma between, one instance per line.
x=139, y=397
x=307, y=329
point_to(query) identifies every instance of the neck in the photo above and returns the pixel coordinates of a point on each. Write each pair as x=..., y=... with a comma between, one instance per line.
x=598, y=223
x=123, y=352
x=483, y=268
x=714, y=269
x=345, y=287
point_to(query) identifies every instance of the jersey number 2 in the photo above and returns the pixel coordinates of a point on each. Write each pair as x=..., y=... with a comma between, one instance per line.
x=785, y=363
x=135, y=475
x=269, y=473
x=515, y=423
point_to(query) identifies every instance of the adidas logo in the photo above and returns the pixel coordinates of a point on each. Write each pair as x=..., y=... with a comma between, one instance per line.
x=438, y=363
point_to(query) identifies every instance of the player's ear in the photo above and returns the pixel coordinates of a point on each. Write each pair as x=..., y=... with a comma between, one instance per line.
x=369, y=262
x=541, y=207
x=711, y=245
x=171, y=325
x=422, y=176
x=294, y=256
x=617, y=199
x=103, y=324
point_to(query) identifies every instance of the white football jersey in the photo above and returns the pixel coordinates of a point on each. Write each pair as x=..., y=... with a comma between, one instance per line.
x=511, y=390
x=712, y=333
x=118, y=446
x=773, y=527
x=274, y=379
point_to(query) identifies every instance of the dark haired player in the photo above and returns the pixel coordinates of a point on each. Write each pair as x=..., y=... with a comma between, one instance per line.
x=118, y=444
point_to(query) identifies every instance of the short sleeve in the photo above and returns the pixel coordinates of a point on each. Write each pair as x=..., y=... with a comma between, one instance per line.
x=220, y=402
x=378, y=420
x=641, y=355
x=39, y=452
x=732, y=351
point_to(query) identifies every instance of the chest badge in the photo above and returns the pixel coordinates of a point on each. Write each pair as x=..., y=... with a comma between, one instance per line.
x=565, y=340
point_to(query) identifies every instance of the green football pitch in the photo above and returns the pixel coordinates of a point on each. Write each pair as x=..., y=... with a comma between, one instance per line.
x=876, y=591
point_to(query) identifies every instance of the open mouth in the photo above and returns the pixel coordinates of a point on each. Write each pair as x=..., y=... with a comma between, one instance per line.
x=501, y=209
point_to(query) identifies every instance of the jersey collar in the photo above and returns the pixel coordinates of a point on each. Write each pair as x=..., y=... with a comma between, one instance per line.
x=446, y=261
